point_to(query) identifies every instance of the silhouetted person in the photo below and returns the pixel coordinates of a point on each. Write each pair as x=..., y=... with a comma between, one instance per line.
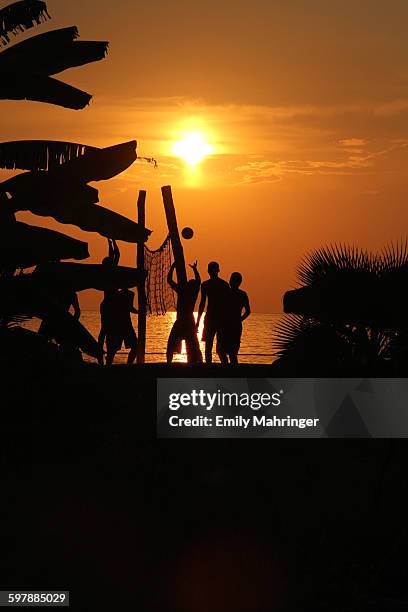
x=184, y=327
x=215, y=292
x=112, y=260
x=65, y=299
x=230, y=332
x=114, y=254
x=116, y=325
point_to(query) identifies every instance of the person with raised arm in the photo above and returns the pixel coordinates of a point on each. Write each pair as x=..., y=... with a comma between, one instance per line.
x=184, y=327
x=113, y=254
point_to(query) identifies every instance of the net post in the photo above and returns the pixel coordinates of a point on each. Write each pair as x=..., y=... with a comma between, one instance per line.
x=176, y=245
x=141, y=287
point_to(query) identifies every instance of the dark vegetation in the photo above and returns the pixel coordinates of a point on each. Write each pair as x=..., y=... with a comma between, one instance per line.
x=349, y=317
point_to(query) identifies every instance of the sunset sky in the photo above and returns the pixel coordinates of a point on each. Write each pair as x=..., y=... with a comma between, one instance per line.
x=304, y=104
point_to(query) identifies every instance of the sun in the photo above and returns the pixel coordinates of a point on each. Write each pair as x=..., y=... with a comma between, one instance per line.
x=193, y=148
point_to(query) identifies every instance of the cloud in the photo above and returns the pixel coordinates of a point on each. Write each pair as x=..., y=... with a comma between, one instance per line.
x=273, y=171
x=258, y=171
x=353, y=142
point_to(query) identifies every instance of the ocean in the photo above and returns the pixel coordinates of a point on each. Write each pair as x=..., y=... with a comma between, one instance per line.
x=256, y=344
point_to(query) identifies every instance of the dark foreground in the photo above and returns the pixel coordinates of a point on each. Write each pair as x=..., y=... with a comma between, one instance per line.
x=95, y=504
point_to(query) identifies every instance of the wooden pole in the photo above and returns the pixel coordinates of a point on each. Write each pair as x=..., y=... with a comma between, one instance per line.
x=177, y=247
x=141, y=288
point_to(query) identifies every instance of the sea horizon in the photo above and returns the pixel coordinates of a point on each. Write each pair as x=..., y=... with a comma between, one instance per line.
x=256, y=343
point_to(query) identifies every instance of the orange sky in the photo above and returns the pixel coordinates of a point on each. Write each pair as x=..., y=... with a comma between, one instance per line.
x=306, y=104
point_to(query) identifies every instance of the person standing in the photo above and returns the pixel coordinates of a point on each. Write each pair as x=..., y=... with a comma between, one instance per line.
x=116, y=324
x=229, y=335
x=214, y=293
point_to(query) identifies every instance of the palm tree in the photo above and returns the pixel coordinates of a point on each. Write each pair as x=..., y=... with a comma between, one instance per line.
x=55, y=183
x=350, y=310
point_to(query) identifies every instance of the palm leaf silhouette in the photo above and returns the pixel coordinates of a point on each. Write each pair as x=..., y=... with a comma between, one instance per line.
x=79, y=277
x=70, y=204
x=25, y=68
x=39, y=154
x=306, y=342
x=56, y=184
x=323, y=262
x=339, y=284
x=38, y=88
x=24, y=246
x=51, y=52
x=345, y=284
x=67, y=160
x=357, y=295
x=287, y=332
x=310, y=346
x=21, y=16
x=394, y=256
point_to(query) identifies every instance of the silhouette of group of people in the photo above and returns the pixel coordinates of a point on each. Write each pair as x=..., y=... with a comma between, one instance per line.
x=226, y=306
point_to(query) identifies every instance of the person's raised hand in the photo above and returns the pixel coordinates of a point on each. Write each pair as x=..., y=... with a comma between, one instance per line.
x=193, y=266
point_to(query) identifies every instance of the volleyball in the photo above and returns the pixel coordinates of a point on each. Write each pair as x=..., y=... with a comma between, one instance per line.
x=187, y=233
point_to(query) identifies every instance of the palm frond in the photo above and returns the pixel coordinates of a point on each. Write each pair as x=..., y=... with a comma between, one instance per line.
x=24, y=246
x=25, y=68
x=78, y=53
x=305, y=341
x=98, y=164
x=105, y=222
x=63, y=193
x=332, y=259
x=38, y=88
x=394, y=256
x=79, y=277
x=72, y=161
x=71, y=203
x=297, y=335
x=39, y=154
x=43, y=192
x=288, y=331
x=51, y=52
x=21, y=16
